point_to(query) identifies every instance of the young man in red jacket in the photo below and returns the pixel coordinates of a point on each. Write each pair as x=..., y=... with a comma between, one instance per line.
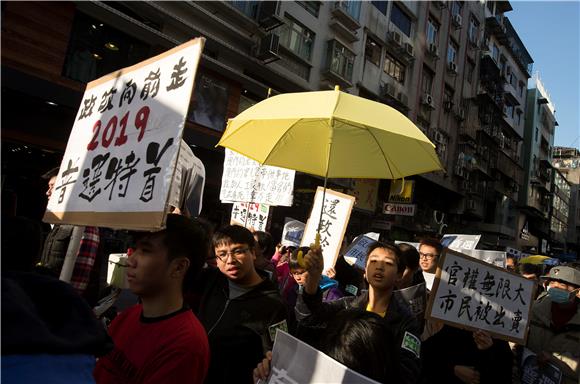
x=160, y=340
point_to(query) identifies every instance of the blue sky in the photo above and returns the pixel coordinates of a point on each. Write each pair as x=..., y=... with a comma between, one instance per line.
x=550, y=30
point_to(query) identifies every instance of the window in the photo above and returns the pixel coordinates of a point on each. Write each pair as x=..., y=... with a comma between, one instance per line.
x=351, y=7
x=297, y=38
x=519, y=117
x=495, y=53
x=381, y=6
x=469, y=71
x=432, y=30
x=341, y=60
x=473, y=31
x=441, y=147
x=510, y=110
x=447, y=99
x=521, y=88
x=401, y=20
x=373, y=51
x=456, y=8
x=394, y=68
x=427, y=80
x=537, y=132
x=311, y=6
x=451, y=52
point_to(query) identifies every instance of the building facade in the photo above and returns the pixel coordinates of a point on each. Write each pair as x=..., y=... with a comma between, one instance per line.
x=457, y=69
x=536, y=196
x=567, y=162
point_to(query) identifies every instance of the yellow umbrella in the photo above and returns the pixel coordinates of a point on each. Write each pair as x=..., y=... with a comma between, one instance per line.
x=331, y=134
x=535, y=259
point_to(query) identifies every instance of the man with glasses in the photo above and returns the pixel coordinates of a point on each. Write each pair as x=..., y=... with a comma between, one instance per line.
x=429, y=251
x=239, y=308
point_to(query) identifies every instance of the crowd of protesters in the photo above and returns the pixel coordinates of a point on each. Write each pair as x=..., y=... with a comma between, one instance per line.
x=208, y=304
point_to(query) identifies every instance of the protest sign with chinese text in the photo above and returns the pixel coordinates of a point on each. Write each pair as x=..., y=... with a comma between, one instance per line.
x=415, y=297
x=119, y=163
x=460, y=243
x=471, y=294
x=532, y=373
x=335, y=217
x=356, y=253
x=245, y=180
x=295, y=362
x=251, y=215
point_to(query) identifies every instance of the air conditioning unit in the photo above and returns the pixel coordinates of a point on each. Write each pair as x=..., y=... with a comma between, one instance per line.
x=269, y=46
x=457, y=21
x=409, y=49
x=428, y=101
x=448, y=105
x=403, y=98
x=389, y=90
x=396, y=38
x=452, y=67
x=433, y=50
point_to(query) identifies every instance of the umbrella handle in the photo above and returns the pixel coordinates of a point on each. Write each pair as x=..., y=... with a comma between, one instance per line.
x=300, y=255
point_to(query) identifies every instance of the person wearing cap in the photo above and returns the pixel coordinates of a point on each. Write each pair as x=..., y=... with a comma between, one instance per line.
x=555, y=323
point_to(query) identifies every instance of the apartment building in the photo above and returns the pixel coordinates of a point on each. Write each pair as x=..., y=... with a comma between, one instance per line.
x=536, y=196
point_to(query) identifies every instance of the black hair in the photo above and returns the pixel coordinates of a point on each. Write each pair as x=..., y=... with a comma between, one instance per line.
x=409, y=255
x=50, y=174
x=529, y=269
x=390, y=247
x=362, y=341
x=266, y=243
x=293, y=260
x=432, y=243
x=184, y=237
x=235, y=234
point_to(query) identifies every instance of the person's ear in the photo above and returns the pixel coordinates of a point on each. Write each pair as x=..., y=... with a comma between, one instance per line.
x=179, y=266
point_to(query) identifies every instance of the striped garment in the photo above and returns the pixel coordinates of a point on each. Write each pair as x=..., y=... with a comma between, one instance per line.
x=85, y=259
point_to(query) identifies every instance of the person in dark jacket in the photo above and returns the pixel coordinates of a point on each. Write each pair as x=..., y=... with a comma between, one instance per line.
x=383, y=270
x=239, y=308
x=457, y=356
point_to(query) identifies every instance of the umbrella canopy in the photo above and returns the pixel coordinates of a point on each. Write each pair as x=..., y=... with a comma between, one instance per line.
x=535, y=259
x=331, y=134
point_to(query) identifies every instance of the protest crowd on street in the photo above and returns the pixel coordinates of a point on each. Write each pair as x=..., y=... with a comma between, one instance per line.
x=126, y=280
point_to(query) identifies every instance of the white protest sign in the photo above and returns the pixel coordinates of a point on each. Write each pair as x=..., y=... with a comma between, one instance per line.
x=253, y=216
x=496, y=258
x=460, y=243
x=119, y=162
x=335, y=217
x=356, y=253
x=295, y=362
x=373, y=235
x=245, y=180
x=292, y=233
x=472, y=294
x=188, y=182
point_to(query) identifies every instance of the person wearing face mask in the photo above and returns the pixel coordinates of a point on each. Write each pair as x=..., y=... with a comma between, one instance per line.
x=555, y=323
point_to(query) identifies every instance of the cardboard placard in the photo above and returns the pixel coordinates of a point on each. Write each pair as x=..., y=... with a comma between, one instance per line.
x=245, y=180
x=335, y=217
x=120, y=160
x=253, y=216
x=292, y=233
x=460, y=243
x=471, y=294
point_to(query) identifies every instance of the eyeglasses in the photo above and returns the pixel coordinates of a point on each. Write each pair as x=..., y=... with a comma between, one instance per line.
x=428, y=256
x=235, y=253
